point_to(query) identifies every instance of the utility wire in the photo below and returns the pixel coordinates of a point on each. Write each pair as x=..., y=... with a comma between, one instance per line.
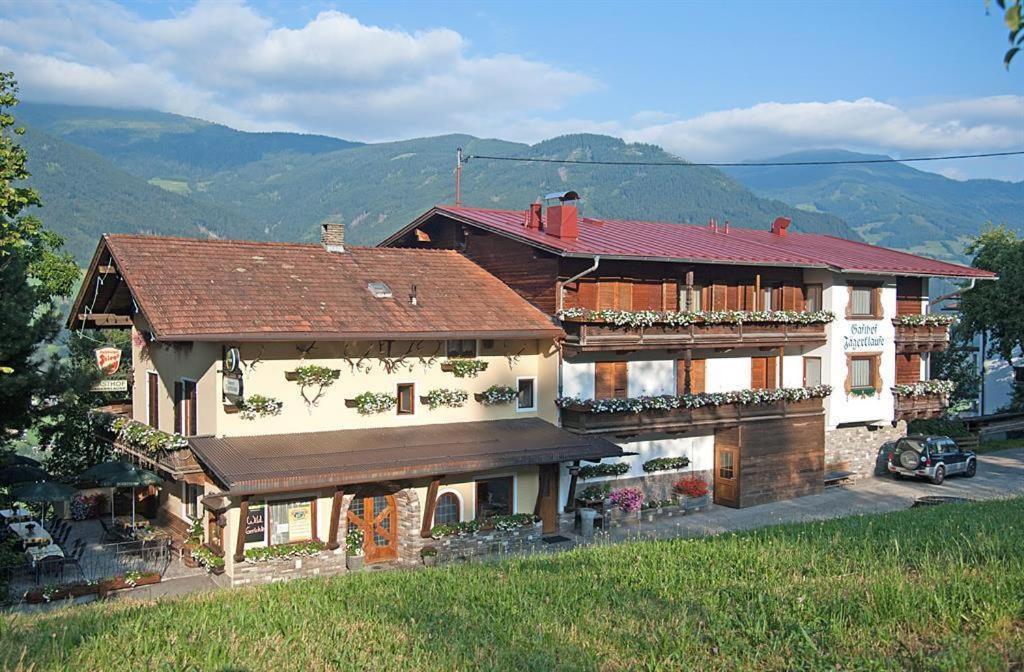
x=740, y=165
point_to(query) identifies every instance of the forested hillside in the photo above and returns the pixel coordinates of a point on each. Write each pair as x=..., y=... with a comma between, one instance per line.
x=891, y=204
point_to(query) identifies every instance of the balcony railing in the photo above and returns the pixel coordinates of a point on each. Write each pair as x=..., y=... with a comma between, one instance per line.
x=581, y=420
x=920, y=407
x=921, y=337
x=583, y=335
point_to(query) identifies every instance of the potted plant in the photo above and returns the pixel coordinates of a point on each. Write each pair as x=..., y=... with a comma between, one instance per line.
x=694, y=493
x=629, y=500
x=354, y=549
x=429, y=556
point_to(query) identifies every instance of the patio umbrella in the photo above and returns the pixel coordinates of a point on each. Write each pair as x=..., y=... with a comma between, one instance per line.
x=20, y=473
x=43, y=492
x=119, y=475
x=14, y=459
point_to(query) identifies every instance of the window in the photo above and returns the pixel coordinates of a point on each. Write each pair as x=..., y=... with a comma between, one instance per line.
x=465, y=348
x=153, y=399
x=813, y=300
x=190, y=498
x=726, y=466
x=812, y=371
x=493, y=497
x=697, y=298
x=185, y=405
x=291, y=520
x=448, y=509
x=862, y=302
x=527, y=400
x=610, y=380
x=860, y=373
x=406, y=398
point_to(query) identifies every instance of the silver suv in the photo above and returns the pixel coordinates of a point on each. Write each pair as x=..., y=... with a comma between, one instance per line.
x=931, y=457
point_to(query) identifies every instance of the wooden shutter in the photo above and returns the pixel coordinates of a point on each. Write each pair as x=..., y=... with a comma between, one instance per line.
x=606, y=295
x=697, y=368
x=624, y=295
x=191, y=399
x=607, y=383
x=153, y=399
x=748, y=297
x=647, y=296
x=583, y=295
x=771, y=365
x=908, y=368
x=719, y=300
x=876, y=301
x=178, y=395
x=792, y=298
x=670, y=291
x=909, y=294
x=758, y=372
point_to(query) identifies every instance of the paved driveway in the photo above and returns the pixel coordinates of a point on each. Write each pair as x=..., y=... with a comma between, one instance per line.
x=999, y=475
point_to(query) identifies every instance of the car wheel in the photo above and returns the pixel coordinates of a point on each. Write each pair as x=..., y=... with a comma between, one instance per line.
x=972, y=468
x=940, y=475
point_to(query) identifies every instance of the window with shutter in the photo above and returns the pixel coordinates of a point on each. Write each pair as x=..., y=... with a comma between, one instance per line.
x=697, y=367
x=153, y=399
x=813, y=298
x=865, y=302
x=763, y=372
x=610, y=380
x=647, y=296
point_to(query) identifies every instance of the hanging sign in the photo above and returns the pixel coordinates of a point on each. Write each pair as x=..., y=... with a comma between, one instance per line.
x=108, y=360
x=232, y=387
x=232, y=361
x=111, y=385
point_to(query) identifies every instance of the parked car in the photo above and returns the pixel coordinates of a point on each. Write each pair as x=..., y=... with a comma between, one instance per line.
x=931, y=457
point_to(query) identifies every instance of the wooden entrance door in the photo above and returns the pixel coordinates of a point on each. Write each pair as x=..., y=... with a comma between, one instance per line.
x=377, y=517
x=727, y=467
x=547, y=498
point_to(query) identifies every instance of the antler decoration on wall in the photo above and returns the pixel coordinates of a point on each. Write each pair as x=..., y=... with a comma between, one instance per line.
x=360, y=363
x=428, y=361
x=514, y=359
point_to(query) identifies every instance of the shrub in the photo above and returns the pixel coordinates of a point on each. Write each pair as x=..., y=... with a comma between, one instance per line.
x=354, y=541
x=455, y=529
x=595, y=492
x=691, y=487
x=611, y=469
x=267, y=553
x=666, y=463
x=941, y=426
x=628, y=499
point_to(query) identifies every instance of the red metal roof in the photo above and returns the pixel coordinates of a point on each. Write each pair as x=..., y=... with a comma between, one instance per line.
x=201, y=289
x=699, y=244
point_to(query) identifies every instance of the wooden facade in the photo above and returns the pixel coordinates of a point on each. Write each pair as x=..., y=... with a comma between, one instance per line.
x=780, y=459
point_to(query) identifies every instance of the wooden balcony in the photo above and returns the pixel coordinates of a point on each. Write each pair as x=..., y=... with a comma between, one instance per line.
x=921, y=407
x=585, y=336
x=579, y=420
x=921, y=337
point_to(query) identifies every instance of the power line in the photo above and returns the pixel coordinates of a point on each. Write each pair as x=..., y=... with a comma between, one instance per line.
x=741, y=165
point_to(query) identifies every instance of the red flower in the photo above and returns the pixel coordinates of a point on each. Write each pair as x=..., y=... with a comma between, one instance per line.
x=691, y=487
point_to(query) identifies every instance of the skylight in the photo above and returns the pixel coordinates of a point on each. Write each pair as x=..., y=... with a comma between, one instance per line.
x=379, y=290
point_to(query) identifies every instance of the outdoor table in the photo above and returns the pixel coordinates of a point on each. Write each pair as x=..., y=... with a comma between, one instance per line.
x=15, y=515
x=125, y=522
x=37, y=537
x=37, y=553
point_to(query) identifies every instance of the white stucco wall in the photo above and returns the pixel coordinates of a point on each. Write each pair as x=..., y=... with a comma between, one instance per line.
x=652, y=377
x=724, y=374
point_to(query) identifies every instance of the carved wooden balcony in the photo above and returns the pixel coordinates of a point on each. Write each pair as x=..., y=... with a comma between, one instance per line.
x=578, y=419
x=921, y=407
x=592, y=336
x=921, y=337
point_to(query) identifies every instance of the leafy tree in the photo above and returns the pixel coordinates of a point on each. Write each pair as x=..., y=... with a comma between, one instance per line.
x=957, y=364
x=34, y=274
x=996, y=306
x=1012, y=16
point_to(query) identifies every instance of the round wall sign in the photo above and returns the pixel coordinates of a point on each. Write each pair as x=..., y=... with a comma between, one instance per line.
x=232, y=360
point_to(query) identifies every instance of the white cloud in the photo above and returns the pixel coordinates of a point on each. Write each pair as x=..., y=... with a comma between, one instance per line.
x=226, y=62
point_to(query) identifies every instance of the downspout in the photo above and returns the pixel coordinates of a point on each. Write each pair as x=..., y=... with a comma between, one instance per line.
x=959, y=292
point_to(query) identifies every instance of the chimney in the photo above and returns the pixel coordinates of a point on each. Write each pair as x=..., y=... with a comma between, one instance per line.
x=332, y=237
x=780, y=225
x=563, y=221
x=533, y=218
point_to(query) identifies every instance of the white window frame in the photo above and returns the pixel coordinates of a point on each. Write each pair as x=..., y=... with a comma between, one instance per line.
x=458, y=496
x=531, y=409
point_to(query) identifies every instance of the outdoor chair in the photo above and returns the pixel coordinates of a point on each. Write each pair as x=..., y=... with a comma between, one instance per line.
x=51, y=567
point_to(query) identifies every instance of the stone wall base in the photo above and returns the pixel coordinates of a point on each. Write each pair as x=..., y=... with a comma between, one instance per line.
x=860, y=449
x=457, y=548
x=327, y=563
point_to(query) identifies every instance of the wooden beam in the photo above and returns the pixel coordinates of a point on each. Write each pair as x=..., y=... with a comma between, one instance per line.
x=689, y=290
x=106, y=319
x=243, y=515
x=757, y=292
x=109, y=268
x=687, y=371
x=574, y=474
x=782, y=366
x=332, y=533
x=428, y=510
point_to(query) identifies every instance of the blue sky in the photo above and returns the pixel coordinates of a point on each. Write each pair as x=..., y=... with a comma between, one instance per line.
x=709, y=81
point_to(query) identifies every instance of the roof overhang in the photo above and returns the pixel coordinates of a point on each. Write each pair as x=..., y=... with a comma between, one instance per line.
x=337, y=336
x=292, y=462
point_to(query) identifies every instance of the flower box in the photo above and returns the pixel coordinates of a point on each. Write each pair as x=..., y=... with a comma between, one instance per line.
x=696, y=503
x=118, y=583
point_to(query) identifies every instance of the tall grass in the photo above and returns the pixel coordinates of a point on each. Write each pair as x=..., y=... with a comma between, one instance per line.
x=936, y=588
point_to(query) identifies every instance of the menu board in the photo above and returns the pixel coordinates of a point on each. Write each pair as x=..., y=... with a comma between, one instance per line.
x=300, y=521
x=256, y=524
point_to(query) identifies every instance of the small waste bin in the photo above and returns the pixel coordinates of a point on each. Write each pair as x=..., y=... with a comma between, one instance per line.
x=587, y=517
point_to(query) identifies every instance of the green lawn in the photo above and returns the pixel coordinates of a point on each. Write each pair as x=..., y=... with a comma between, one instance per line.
x=933, y=588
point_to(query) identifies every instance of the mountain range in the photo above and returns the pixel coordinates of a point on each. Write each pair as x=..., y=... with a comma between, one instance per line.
x=104, y=170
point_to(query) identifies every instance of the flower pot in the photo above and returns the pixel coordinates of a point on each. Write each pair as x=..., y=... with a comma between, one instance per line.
x=649, y=515
x=354, y=562
x=429, y=560
x=696, y=503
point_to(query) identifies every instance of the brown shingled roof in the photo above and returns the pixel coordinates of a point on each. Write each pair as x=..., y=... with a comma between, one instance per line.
x=216, y=289
x=252, y=464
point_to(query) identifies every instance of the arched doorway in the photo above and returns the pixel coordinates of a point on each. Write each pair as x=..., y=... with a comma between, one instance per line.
x=377, y=517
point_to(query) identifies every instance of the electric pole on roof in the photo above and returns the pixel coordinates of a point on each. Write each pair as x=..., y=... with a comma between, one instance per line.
x=458, y=177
